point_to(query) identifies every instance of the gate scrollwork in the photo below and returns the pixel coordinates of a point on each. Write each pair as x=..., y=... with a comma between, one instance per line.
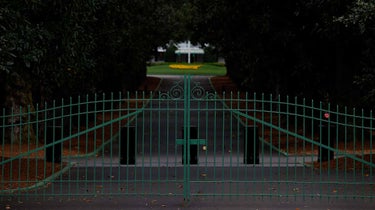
x=177, y=92
x=198, y=92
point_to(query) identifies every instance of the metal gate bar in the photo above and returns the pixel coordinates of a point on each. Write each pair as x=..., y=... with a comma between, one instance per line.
x=291, y=141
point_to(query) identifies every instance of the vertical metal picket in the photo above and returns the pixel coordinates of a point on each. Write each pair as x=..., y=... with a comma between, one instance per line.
x=186, y=138
x=220, y=171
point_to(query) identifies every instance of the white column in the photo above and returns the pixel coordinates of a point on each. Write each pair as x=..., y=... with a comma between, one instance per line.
x=189, y=51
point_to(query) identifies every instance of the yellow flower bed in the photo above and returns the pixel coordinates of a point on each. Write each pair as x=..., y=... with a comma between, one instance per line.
x=184, y=67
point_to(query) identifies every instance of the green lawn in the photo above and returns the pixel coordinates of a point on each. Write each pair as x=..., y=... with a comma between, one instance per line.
x=206, y=69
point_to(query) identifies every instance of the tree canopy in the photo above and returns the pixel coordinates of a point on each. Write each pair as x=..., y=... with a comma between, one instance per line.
x=319, y=49
x=71, y=47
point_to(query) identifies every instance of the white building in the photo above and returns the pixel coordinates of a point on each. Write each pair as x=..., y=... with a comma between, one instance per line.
x=185, y=53
x=188, y=53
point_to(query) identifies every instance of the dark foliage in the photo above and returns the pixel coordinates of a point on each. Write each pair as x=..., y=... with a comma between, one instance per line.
x=315, y=49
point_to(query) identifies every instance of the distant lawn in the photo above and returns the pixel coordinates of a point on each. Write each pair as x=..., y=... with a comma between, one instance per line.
x=214, y=69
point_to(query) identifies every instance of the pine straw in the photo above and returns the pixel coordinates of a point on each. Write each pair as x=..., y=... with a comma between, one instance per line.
x=26, y=172
x=347, y=164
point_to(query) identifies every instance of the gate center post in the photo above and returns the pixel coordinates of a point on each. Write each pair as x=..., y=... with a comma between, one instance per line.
x=187, y=138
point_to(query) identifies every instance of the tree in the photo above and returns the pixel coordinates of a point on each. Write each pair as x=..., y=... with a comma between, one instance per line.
x=129, y=33
x=52, y=49
x=290, y=47
x=56, y=45
x=361, y=19
x=45, y=53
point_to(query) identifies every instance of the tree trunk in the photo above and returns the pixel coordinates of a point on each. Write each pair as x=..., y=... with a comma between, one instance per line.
x=18, y=104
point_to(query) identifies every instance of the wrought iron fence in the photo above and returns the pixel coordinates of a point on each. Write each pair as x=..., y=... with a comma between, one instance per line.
x=187, y=142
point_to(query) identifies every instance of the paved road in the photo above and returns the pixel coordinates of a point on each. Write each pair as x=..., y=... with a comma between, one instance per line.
x=220, y=169
x=126, y=203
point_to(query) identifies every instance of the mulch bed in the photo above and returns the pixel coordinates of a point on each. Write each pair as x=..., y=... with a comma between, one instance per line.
x=27, y=172
x=348, y=164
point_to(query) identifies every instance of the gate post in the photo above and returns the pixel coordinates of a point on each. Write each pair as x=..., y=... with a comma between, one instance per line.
x=193, y=147
x=251, y=145
x=127, y=145
x=53, y=153
x=328, y=134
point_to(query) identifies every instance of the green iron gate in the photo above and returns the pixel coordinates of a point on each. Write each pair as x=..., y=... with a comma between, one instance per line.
x=186, y=141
